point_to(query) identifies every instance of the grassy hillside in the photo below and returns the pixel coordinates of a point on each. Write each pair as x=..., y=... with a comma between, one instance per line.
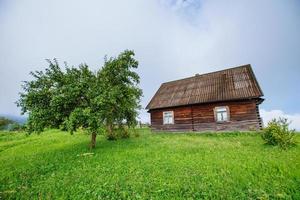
x=157, y=166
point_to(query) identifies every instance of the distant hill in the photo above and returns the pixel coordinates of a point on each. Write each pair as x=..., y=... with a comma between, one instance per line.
x=16, y=118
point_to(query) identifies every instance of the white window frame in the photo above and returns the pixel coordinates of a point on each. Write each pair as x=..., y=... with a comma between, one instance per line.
x=221, y=111
x=168, y=117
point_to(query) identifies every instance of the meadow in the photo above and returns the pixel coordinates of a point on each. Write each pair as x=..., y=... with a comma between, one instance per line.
x=57, y=165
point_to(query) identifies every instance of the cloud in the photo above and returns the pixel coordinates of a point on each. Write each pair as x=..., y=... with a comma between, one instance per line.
x=172, y=39
x=269, y=115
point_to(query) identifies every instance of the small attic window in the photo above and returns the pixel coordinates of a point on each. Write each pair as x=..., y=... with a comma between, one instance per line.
x=168, y=117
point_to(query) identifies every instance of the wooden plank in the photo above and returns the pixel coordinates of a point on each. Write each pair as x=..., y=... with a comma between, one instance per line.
x=244, y=115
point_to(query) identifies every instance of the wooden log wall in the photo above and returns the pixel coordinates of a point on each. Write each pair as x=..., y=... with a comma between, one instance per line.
x=244, y=115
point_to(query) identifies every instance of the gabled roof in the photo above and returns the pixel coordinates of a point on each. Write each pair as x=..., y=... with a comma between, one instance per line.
x=229, y=84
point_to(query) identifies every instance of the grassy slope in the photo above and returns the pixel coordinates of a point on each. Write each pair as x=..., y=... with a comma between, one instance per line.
x=161, y=166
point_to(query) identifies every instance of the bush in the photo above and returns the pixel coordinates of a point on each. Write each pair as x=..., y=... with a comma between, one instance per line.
x=119, y=133
x=135, y=133
x=122, y=132
x=111, y=136
x=278, y=133
x=4, y=122
x=15, y=127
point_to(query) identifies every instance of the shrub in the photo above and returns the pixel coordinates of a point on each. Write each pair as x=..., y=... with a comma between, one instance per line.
x=135, y=133
x=4, y=122
x=120, y=132
x=278, y=133
x=123, y=132
x=111, y=136
x=15, y=127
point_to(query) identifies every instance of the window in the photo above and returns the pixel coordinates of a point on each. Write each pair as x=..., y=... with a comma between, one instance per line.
x=221, y=114
x=168, y=117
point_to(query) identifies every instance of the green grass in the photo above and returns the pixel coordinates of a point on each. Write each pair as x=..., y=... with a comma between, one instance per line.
x=153, y=166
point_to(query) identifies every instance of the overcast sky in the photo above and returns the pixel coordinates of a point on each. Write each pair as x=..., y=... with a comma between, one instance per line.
x=172, y=39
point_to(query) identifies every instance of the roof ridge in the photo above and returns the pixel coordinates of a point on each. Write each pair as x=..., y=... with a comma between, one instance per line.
x=231, y=68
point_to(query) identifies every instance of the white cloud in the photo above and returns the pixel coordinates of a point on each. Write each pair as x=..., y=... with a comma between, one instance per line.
x=172, y=39
x=269, y=115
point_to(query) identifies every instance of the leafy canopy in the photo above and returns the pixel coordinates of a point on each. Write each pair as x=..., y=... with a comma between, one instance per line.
x=77, y=97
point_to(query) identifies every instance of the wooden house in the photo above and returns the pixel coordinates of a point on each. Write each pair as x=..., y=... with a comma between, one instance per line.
x=217, y=101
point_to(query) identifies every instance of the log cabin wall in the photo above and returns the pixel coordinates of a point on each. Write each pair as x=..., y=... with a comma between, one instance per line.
x=182, y=119
x=243, y=115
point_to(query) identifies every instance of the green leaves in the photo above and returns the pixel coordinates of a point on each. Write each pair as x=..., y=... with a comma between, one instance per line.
x=77, y=97
x=278, y=133
x=120, y=95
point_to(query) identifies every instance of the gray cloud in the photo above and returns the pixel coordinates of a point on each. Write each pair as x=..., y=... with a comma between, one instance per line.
x=172, y=39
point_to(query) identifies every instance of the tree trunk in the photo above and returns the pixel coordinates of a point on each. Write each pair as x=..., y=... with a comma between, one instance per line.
x=93, y=140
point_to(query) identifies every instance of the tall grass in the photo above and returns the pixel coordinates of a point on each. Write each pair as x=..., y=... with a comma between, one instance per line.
x=56, y=165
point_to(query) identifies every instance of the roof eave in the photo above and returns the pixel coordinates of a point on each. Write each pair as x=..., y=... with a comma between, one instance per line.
x=218, y=101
